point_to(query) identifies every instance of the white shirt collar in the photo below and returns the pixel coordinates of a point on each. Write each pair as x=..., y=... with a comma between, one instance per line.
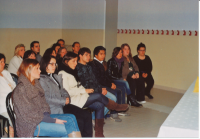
x=98, y=60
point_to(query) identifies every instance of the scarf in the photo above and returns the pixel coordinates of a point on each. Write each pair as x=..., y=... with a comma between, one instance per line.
x=119, y=61
x=72, y=72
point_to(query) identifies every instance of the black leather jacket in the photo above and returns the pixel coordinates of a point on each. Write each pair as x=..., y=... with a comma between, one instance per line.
x=113, y=71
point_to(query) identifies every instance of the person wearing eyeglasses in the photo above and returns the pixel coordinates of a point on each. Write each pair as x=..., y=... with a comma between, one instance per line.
x=145, y=65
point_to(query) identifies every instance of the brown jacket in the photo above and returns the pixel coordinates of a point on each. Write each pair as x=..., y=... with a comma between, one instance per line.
x=125, y=69
x=29, y=106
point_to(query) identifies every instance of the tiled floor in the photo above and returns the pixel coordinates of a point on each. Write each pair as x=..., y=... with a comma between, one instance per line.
x=145, y=121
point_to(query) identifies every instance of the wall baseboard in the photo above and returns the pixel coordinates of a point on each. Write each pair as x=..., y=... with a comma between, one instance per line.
x=170, y=89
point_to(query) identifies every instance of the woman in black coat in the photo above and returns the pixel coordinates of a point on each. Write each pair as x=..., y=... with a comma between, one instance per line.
x=145, y=65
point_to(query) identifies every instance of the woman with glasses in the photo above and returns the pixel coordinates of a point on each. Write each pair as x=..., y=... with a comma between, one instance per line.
x=145, y=65
x=58, y=98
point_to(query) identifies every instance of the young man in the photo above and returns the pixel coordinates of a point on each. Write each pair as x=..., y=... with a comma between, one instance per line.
x=76, y=47
x=101, y=75
x=61, y=42
x=35, y=46
x=88, y=79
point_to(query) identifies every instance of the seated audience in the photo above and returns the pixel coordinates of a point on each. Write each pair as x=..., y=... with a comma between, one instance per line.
x=16, y=61
x=104, y=80
x=29, y=54
x=82, y=97
x=145, y=65
x=49, y=52
x=7, y=85
x=35, y=46
x=130, y=73
x=58, y=98
x=56, y=46
x=114, y=71
x=61, y=42
x=76, y=47
x=33, y=116
x=87, y=78
x=61, y=52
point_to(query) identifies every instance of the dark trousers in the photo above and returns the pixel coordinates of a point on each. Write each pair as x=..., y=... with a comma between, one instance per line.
x=83, y=117
x=119, y=92
x=137, y=87
x=97, y=101
x=150, y=82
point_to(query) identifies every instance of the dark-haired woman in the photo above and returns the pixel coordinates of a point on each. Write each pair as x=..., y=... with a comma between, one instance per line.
x=33, y=115
x=58, y=98
x=29, y=54
x=49, y=52
x=6, y=86
x=145, y=65
x=114, y=71
x=130, y=73
x=82, y=97
x=56, y=47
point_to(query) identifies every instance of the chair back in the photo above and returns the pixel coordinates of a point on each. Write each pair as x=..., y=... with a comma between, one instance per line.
x=11, y=112
x=14, y=77
x=3, y=121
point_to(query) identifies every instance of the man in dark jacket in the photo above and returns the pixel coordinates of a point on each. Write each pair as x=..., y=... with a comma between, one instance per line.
x=102, y=77
x=88, y=79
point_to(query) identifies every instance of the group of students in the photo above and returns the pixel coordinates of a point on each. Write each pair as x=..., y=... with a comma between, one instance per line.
x=52, y=91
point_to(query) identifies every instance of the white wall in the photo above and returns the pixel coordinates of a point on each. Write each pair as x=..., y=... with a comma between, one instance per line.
x=83, y=14
x=31, y=14
x=158, y=14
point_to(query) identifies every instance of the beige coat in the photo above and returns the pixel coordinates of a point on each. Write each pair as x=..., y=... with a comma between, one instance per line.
x=78, y=94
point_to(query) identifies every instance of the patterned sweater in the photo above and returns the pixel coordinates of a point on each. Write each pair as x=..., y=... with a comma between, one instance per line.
x=87, y=78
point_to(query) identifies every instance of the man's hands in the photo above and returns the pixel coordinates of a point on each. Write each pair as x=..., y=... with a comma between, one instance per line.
x=113, y=86
x=104, y=91
x=89, y=91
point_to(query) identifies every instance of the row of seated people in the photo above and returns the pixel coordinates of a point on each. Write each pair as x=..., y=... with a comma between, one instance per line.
x=85, y=85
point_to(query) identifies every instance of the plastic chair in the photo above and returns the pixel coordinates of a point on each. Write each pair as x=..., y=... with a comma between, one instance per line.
x=11, y=112
x=4, y=120
x=14, y=77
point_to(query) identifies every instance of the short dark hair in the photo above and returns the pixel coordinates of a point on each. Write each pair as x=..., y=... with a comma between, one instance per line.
x=54, y=45
x=141, y=45
x=97, y=50
x=28, y=53
x=75, y=43
x=116, y=51
x=69, y=56
x=2, y=56
x=83, y=50
x=32, y=44
x=60, y=40
x=48, y=52
x=44, y=63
